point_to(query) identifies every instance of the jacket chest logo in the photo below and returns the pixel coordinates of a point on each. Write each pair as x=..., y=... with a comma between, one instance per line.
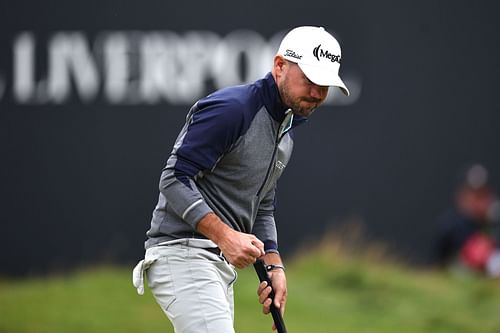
x=280, y=165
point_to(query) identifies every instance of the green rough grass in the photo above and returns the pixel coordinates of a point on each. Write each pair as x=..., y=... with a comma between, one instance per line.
x=328, y=292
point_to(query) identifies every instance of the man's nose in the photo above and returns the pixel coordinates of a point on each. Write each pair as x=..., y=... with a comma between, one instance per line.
x=318, y=92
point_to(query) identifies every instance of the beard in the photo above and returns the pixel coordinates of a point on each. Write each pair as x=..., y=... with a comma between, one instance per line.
x=297, y=103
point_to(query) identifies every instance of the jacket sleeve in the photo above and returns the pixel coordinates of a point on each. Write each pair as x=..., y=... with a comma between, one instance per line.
x=212, y=126
x=265, y=226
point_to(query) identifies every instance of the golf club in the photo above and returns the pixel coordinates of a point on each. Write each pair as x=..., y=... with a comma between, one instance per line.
x=260, y=268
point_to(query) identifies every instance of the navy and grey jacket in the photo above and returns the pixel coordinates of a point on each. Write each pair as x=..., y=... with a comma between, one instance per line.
x=227, y=159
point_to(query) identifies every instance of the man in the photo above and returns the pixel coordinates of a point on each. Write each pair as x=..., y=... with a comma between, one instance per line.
x=467, y=232
x=217, y=191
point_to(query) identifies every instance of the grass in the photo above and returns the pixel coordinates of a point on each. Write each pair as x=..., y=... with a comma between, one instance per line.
x=328, y=292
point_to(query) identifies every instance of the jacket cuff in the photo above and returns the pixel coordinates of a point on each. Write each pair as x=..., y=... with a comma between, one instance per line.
x=270, y=246
x=193, y=214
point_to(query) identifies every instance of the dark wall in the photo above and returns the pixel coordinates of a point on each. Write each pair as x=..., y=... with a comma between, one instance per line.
x=79, y=172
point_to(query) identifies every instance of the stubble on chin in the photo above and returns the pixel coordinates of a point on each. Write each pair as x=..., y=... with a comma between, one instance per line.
x=297, y=109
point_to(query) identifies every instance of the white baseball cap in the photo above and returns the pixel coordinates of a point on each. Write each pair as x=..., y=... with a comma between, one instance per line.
x=317, y=53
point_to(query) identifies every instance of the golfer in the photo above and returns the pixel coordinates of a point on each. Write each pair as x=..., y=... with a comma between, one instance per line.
x=215, y=210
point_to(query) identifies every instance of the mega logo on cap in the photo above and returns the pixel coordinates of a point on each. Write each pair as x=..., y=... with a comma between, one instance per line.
x=318, y=52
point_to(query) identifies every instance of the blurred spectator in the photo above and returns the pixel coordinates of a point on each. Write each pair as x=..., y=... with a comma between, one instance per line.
x=468, y=232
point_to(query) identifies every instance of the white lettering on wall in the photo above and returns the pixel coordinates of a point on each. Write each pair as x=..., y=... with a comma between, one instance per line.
x=194, y=62
x=117, y=67
x=143, y=67
x=241, y=45
x=24, y=64
x=70, y=57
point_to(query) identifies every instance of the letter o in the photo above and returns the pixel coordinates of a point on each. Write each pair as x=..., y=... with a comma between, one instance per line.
x=237, y=45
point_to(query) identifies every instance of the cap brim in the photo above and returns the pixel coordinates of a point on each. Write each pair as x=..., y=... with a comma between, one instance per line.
x=323, y=77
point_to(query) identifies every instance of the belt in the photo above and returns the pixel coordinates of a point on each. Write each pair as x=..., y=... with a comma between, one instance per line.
x=196, y=243
x=214, y=250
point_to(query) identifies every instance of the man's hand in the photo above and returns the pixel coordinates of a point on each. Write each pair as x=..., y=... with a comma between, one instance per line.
x=239, y=249
x=279, y=285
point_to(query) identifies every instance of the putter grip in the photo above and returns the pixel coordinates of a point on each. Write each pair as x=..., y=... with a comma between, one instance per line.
x=260, y=268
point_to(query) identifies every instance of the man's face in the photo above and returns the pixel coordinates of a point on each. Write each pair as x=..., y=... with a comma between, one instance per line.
x=298, y=92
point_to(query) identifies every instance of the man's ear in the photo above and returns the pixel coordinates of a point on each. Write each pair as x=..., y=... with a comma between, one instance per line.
x=279, y=64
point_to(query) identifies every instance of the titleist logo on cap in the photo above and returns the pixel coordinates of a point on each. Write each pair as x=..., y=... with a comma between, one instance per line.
x=293, y=54
x=319, y=52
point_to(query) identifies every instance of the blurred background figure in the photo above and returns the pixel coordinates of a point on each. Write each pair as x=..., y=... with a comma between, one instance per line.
x=468, y=232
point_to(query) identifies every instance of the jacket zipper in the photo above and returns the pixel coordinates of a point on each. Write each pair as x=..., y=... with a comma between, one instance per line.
x=279, y=136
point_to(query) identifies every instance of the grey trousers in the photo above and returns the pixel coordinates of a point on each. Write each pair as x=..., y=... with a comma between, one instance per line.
x=193, y=286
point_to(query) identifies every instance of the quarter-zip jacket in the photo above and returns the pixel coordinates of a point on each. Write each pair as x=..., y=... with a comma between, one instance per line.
x=227, y=159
